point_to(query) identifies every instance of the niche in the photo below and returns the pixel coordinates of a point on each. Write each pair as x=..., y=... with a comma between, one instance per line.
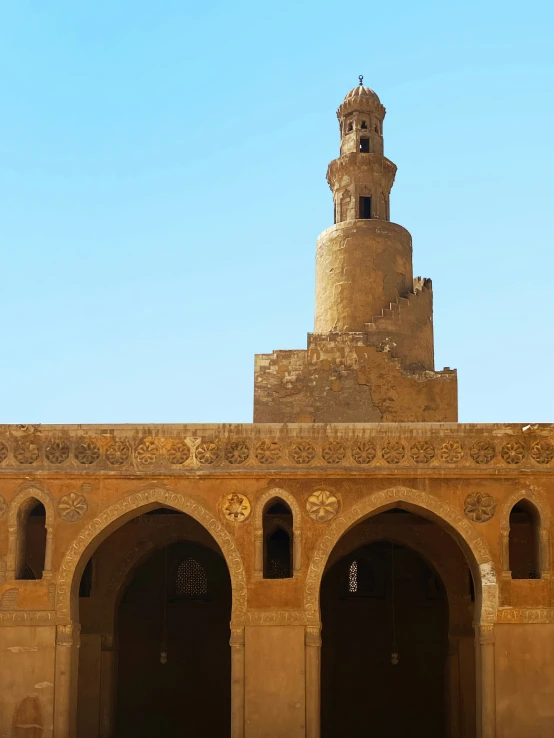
x=278, y=540
x=31, y=540
x=524, y=543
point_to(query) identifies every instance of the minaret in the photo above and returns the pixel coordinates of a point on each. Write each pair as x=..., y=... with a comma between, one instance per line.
x=371, y=356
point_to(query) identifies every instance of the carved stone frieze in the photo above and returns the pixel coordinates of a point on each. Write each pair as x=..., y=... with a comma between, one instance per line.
x=525, y=615
x=280, y=447
x=275, y=617
x=27, y=617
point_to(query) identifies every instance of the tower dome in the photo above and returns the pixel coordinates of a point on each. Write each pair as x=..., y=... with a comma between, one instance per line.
x=361, y=99
x=359, y=92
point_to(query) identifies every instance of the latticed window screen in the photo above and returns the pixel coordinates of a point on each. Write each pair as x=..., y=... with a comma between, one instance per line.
x=191, y=579
x=353, y=577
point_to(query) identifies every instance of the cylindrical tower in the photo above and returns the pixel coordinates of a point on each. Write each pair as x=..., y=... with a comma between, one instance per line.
x=363, y=262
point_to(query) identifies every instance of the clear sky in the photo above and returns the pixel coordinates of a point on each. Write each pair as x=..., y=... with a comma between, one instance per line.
x=162, y=185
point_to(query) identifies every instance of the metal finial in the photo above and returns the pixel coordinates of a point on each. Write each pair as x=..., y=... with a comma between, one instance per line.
x=361, y=78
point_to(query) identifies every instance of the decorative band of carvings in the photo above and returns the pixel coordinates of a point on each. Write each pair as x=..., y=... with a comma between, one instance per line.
x=112, y=452
x=28, y=617
x=525, y=615
x=275, y=617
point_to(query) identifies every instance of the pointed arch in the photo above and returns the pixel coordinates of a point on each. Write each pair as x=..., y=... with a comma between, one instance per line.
x=119, y=513
x=276, y=493
x=23, y=499
x=426, y=505
x=541, y=509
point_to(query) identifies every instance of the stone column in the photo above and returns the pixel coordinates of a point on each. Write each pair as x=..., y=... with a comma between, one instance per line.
x=107, y=686
x=313, y=680
x=506, y=552
x=237, y=682
x=65, y=684
x=47, y=572
x=297, y=549
x=486, y=674
x=258, y=550
x=454, y=687
x=544, y=553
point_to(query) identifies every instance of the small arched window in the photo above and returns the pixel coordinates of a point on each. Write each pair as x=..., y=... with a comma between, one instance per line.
x=350, y=127
x=191, y=580
x=524, y=543
x=31, y=540
x=364, y=125
x=278, y=540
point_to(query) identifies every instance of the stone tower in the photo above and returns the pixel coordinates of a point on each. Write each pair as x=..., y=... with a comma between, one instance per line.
x=371, y=355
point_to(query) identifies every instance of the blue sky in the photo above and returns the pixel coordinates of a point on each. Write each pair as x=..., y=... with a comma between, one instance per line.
x=162, y=185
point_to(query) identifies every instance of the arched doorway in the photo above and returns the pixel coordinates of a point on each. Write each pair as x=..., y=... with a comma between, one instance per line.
x=155, y=611
x=173, y=655
x=397, y=661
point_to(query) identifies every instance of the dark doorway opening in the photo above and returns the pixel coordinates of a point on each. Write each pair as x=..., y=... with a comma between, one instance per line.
x=365, y=208
x=174, y=669
x=380, y=600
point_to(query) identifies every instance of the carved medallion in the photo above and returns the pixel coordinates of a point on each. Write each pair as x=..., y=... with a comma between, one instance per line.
x=236, y=507
x=118, y=453
x=482, y=452
x=146, y=453
x=87, y=452
x=542, y=452
x=322, y=506
x=236, y=452
x=513, y=452
x=3, y=506
x=451, y=452
x=178, y=452
x=207, y=452
x=363, y=452
x=57, y=452
x=393, y=452
x=479, y=507
x=72, y=507
x=422, y=452
x=268, y=452
x=3, y=452
x=26, y=453
x=302, y=452
x=333, y=452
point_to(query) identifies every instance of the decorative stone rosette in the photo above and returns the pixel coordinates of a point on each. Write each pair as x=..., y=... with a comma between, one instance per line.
x=236, y=507
x=479, y=507
x=72, y=507
x=322, y=506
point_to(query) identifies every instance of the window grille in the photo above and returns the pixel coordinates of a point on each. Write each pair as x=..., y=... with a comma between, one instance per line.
x=191, y=581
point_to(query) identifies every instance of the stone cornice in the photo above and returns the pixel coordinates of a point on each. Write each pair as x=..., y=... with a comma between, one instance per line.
x=372, y=449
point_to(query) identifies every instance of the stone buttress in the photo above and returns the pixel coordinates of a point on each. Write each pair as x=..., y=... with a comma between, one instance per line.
x=371, y=355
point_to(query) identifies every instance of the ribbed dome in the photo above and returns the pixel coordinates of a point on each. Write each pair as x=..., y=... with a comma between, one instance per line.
x=361, y=92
